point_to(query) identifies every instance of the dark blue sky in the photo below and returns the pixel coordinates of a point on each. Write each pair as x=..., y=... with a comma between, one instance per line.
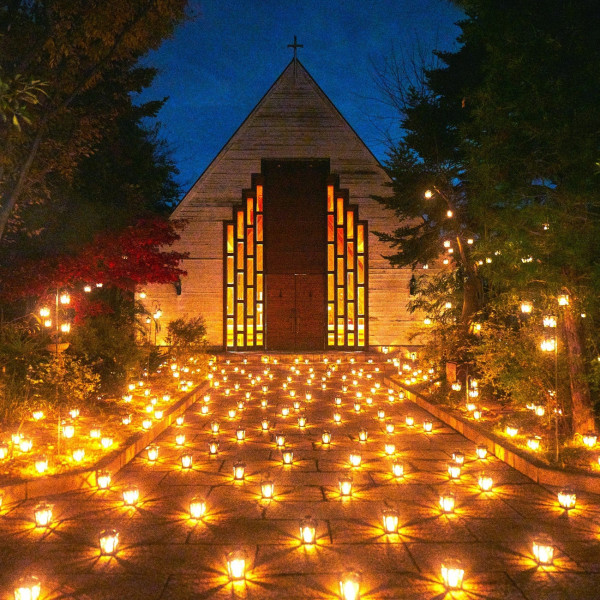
x=217, y=67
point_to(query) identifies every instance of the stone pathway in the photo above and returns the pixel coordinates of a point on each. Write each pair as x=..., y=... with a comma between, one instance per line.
x=164, y=554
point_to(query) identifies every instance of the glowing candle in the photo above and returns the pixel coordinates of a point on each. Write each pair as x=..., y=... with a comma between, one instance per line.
x=41, y=464
x=427, y=426
x=152, y=453
x=240, y=435
x=452, y=575
x=103, y=479
x=481, y=452
x=397, y=469
x=447, y=502
x=78, y=454
x=326, y=437
x=214, y=427
x=350, y=586
x=567, y=499
x=279, y=440
x=28, y=588
x=533, y=442
x=390, y=520
x=43, y=514
x=197, y=507
x=239, y=469
x=355, y=459
x=389, y=427
x=302, y=421
x=131, y=495
x=287, y=456
x=485, y=482
x=345, y=485
x=363, y=435
x=109, y=540
x=308, y=530
x=267, y=489
x=213, y=447
x=454, y=470
x=458, y=457
x=543, y=551
x=410, y=420
x=186, y=460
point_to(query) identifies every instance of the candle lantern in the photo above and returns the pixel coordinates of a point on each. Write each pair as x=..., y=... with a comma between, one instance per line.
x=213, y=447
x=302, y=421
x=126, y=419
x=197, y=507
x=543, y=551
x=369, y=400
x=511, y=430
x=381, y=414
x=41, y=464
x=186, y=460
x=410, y=421
x=363, y=435
x=389, y=427
x=350, y=586
x=68, y=429
x=106, y=442
x=180, y=439
x=345, y=485
x=214, y=427
x=590, y=439
x=241, y=405
x=236, y=565
x=285, y=411
x=477, y=414
x=357, y=407
x=240, y=435
x=326, y=437
x=308, y=530
x=390, y=520
x=390, y=448
x=147, y=423
x=152, y=453
x=398, y=469
x=103, y=479
x=43, y=514
x=28, y=588
x=158, y=414
x=485, y=482
x=567, y=499
x=540, y=411
x=78, y=454
x=267, y=489
x=337, y=401
x=355, y=459
x=427, y=426
x=265, y=424
x=481, y=452
x=337, y=417
x=263, y=403
x=232, y=412
x=454, y=470
x=458, y=457
x=279, y=440
x=25, y=444
x=37, y=415
x=239, y=470
x=447, y=502
x=131, y=495
x=109, y=540
x=533, y=442
x=452, y=575
x=287, y=456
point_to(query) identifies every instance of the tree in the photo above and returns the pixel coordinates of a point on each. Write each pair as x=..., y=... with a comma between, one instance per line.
x=86, y=55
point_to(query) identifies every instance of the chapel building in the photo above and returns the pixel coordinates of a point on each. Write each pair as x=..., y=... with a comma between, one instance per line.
x=280, y=235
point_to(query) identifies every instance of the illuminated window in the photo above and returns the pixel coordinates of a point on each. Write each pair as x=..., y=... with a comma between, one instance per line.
x=346, y=272
x=243, y=294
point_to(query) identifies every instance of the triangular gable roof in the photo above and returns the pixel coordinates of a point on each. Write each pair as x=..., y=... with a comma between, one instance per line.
x=294, y=119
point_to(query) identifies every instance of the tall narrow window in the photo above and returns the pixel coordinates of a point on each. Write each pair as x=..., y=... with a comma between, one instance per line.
x=347, y=302
x=243, y=269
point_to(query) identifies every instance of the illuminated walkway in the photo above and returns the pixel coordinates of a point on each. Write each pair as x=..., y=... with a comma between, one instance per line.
x=164, y=554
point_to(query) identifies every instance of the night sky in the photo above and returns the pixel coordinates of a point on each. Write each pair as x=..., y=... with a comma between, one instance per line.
x=219, y=65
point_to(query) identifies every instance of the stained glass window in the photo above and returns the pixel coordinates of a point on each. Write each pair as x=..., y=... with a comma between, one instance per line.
x=244, y=297
x=346, y=272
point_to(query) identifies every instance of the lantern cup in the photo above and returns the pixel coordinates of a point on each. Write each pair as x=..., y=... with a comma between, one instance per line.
x=240, y=435
x=390, y=448
x=485, y=482
x=180, y=439
x=481, y=452
x=267, y=489
x=453, y=574
x=213, y=447
x=109, y=540
x=236, y=565
x=326, y=437
x=197, y=507
x=355, y=459
x=410, y=420
x=308, y=530
x=239, y=469
x=543, y=551
x=103, y=479
x=567, y=499
x=187, y=460
x=447, y=502
x=302, y=421
x=398, y=469
x=345, y=485
x=279, y=440
x=458, y=458
x=350, y=586
x=28, y=588
x=390, y=520
x=131, y=495
x=363, y=435
x=427, y=426
x=287, y=457
x=43, y=514
x=453, y=470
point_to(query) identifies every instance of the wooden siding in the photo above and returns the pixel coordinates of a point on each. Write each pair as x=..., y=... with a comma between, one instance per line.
x=295, y=119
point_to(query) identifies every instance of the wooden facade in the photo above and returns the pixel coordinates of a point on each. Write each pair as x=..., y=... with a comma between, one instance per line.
x=294, y=127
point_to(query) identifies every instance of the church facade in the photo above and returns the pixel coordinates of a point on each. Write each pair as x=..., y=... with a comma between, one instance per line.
x=280, y=235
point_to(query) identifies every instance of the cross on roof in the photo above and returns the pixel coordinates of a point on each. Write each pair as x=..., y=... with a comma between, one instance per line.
x=295, y=46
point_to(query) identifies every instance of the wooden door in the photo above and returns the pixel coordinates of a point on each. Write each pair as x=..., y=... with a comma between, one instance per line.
x=295, y=318
x=295, y=205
